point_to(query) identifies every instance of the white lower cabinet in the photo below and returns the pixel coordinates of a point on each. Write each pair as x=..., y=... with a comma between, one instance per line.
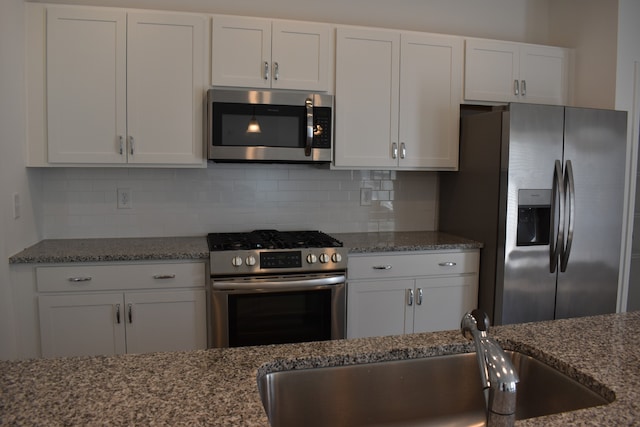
x=116, y=309
x=399, y=293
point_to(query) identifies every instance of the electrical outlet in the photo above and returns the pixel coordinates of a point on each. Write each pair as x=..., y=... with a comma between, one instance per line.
x=124, y=198
x=365, y=197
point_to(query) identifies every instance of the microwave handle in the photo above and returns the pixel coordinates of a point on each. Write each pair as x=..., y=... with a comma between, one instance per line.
x=309, y=107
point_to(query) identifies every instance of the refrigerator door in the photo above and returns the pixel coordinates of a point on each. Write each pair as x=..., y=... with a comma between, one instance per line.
x=535, y=143
x=595, y=148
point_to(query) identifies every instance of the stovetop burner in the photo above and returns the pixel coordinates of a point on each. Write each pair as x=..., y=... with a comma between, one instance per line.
x=270, y=239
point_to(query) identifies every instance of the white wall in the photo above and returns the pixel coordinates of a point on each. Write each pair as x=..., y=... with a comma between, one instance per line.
x=15, y=234
x=590, y=27
x=628, y=98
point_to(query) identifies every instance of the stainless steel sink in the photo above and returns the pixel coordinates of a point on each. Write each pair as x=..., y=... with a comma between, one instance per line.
x=443, y=390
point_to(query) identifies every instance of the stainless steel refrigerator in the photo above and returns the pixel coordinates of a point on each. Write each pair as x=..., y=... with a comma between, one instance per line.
x=543, y=188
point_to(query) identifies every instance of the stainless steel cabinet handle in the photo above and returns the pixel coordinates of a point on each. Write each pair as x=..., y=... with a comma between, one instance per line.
x=131, y=145
x=403, y=150
x=569, y=189
x=266, y=70
x=447, y=264
x=80, y=279
x=523, y=84
x=309, y=109
x=557, y=205
x=409, y=297
x=276, y=71
x=130, y=312
x=516, y=87
x=382, y=267
x=121, y=144
x=164, y=276
x=118, y=314
x=394, y=150
x=419, y=296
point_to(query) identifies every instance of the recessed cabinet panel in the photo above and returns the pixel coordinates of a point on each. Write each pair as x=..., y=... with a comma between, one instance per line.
x=367, y=97
x=86, y=85
x=165, y=85
x=166, y=321
x=81, y=325
x=545, y=73
x=241, y=51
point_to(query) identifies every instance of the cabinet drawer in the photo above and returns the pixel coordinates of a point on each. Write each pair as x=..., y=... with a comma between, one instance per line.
x=120, y=276
x=412, y=265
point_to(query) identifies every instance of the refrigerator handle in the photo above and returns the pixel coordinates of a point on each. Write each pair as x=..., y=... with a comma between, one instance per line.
x=556, y=241
x=569, y=189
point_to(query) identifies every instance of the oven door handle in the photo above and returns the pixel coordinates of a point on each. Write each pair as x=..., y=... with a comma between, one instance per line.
x=270, y=284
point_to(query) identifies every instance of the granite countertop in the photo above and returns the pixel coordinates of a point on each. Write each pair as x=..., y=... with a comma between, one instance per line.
x=403, y=241
x=217, y=387
x=113, y=249
x=166, y=248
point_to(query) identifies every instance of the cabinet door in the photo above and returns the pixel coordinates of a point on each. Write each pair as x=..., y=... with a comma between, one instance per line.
x=430, y=96
x=543, y=75
x=166, y=81
x=444, y=301
x=166, y=321
x=86, y=85
x=491, y=70
x=300, y=56
x=378, y=308
x=367, y=98
x=241, y=52
x=82, y=324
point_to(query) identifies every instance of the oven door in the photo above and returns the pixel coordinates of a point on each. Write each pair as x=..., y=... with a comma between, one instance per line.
x=278, y=309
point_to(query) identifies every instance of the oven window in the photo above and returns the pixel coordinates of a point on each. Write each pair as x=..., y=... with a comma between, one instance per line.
x=280, y=126
x=279, y=317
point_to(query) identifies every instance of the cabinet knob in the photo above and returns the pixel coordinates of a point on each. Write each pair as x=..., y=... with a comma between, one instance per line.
x=276, y=71
x=523, y=86
x=382, y=267
x=409, y=297
x=266, y=70
x=394, y=150
x=164, y=276
x=118, y=314
x=516, y=87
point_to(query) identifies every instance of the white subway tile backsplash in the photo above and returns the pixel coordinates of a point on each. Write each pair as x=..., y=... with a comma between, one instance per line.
x=82, y=202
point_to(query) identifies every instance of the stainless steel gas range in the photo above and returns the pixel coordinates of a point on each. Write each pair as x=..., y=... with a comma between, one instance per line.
x=274, y=287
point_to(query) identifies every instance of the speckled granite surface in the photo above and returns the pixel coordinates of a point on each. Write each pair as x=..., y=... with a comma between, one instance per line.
x=162, y=248
x=217, y=387
x=116, y=249
x=403, y=241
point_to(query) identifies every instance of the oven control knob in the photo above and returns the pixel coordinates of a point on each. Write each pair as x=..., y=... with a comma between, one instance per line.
x=324, y=258
x=236, y=261
x=250, y=261
x=312, y=259
x=336, y=257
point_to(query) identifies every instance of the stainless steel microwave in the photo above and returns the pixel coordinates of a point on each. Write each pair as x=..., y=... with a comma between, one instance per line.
x=269, y=126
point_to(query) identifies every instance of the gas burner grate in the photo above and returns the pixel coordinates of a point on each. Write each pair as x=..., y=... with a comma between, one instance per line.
x=270, y=239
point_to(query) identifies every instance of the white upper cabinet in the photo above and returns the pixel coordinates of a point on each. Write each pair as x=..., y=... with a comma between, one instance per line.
x=86, y=85
x=261, y=53
x=515, y=72
x=124, y=87
x=397, y=99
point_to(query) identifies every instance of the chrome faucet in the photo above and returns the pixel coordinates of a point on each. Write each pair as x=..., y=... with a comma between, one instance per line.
x=498, y=376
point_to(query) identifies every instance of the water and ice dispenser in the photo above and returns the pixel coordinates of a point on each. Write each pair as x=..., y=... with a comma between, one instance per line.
x=534, y=217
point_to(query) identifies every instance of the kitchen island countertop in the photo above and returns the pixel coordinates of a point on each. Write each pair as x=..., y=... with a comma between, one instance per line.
x=217, y=387
x=183, y=248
